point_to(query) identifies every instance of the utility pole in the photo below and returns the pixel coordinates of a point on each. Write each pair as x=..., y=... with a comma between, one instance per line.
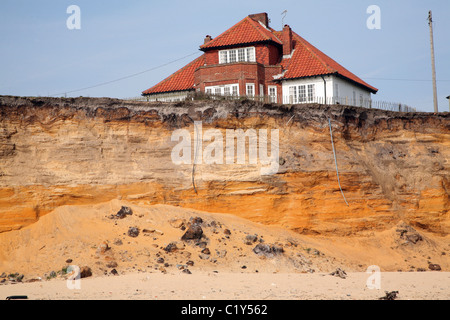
x=433, y=66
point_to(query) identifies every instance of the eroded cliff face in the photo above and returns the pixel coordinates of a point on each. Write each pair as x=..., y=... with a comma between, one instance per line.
x=392, y=166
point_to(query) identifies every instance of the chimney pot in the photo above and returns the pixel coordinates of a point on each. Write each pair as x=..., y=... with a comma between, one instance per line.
x=207, y=39
x=287, y=40
x=261, y=17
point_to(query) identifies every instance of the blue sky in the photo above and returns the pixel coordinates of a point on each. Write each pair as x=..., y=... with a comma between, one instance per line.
x=40, y=56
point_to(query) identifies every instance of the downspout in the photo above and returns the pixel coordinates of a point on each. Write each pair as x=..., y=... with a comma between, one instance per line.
x=324, y=88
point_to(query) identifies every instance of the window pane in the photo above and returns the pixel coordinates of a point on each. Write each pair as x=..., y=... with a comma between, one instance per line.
x=311, y=92
x=250, y=90
x=226, y=91
x=251, y=54
x=273, y=94
x=223, y=56
x=217, y=91
x=241, y=54
x=232, y=55
x=302, y=93
x=293, y=94
x=235, y=90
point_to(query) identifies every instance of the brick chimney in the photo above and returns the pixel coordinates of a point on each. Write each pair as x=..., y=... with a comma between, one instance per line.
x=261, y=17
x=207, y=39
x=287, y=40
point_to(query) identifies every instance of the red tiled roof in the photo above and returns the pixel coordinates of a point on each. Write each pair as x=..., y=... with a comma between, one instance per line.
x=308, y=61
x=245, y=31
x=181, y=80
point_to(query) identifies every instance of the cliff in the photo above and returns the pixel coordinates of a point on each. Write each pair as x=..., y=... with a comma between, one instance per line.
x=392, y=166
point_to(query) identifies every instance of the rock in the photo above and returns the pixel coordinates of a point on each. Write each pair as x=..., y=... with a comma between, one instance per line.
x=133, y=232
x=339, y=273
x=123, y=212
x=114, y=272
x=250, y=239
x=194, y=232
x=221, y=254
x=101, y=249
x=69, y=261
x=3, y=275
x=20, y=278
x=118, y=242
x=190, y=263
x=204, y=256
x=389, y=295
x=152, y=231
x=269, y=251
x=160, y=260
x=162, y=269
x=171, y=247
x=227, y=232
x=434, y=267
x=408, y=233
x=206, y=251
x=85, y=272
x=52, y=274
x=177, y=223
x=196, y=220
x=187, y=271
x=112, y=264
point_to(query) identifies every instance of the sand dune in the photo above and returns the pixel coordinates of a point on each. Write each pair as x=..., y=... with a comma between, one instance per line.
x=88, y=236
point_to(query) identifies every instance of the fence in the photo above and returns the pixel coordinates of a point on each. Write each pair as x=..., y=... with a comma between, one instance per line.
x=365, y=103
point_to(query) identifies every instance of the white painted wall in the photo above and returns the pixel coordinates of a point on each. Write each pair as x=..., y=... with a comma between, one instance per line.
x=337, y=91
x=169, y=97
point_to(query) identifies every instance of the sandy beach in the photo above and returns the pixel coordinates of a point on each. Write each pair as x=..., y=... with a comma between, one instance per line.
x=238, y=286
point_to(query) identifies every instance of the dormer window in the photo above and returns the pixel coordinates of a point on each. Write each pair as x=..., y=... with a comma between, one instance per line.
x=237, y=55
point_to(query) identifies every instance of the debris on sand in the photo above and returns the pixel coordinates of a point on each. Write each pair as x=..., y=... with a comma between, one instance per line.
x=85, y=272
x=133, y=232
x=339, y=273
x=389, y=295
x=122, y=213
x=267, y=250
x=434, y=267
x=408, y=233
x=195, y=231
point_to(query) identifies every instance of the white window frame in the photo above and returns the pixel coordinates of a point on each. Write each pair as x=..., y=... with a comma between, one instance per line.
x=311, y=92
x=302, y=93
x=220, y=90
x=232, y=55
x=247, y=91
x=272, y=97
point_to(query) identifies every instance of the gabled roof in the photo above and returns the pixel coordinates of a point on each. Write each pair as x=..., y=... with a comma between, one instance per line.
x=308, y=61
x=305, y=60
x=245, y=31
x=181, y=80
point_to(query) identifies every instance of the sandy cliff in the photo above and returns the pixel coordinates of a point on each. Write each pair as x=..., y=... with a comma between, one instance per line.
x=393, y=166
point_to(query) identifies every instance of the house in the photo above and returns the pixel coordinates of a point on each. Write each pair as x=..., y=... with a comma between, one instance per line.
x=254, y=60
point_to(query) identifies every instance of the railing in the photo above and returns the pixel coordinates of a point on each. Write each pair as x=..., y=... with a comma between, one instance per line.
x=365, y=103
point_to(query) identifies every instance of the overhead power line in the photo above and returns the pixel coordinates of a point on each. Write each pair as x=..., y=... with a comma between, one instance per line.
x=413, y=80
x=123, y=78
